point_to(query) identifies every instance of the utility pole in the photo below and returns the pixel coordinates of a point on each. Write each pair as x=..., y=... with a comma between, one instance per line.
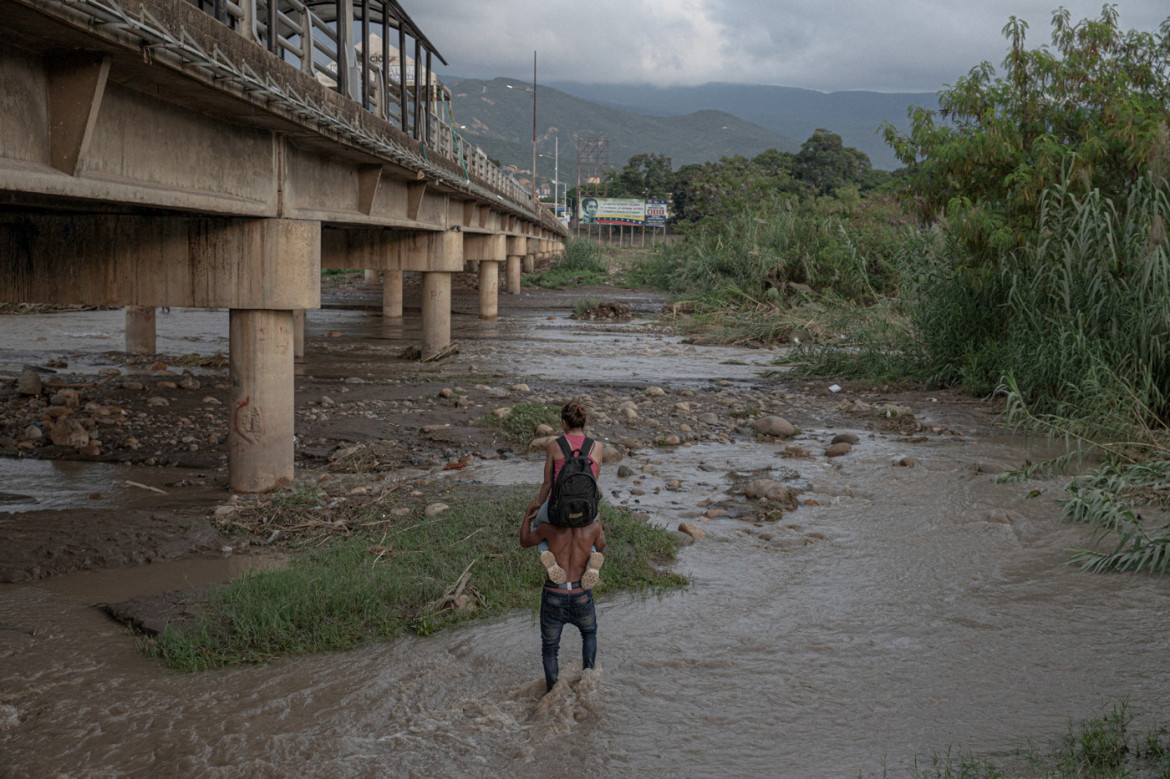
x=535, y=201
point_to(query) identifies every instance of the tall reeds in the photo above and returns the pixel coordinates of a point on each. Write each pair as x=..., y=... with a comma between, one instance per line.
x=1079, y=318
x=777, y=251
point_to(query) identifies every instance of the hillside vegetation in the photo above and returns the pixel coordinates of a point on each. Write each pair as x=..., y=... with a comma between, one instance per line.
x=497, y=116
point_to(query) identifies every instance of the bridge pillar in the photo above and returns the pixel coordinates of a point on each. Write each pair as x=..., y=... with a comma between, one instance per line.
x=140, y=330
x=392, y=294
x=260, y=431
x=370, y=276
x=487, y=252
x=436, y=312
x=512, y=272
x=516, y=246
x=489, y=289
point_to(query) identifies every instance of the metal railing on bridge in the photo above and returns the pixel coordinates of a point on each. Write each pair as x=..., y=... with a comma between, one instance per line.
x=321, y=39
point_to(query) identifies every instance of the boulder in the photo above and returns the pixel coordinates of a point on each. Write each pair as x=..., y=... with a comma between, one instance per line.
x=846, y=438
x=537, y=444
x=768, y=489
x=70, y=398
x=837, y=450
x=692, y=530
x=29, y=383
x=67, y=431
x=654, y=392
x=777, y=427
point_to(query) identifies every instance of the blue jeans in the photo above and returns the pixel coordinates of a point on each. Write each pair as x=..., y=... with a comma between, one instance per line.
x=556, y=610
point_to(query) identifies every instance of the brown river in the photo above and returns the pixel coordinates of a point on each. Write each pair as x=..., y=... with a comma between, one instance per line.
x=909, y=623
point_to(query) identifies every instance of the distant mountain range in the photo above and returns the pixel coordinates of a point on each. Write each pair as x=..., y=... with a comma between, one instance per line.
x=687, y=124
x=787, y=111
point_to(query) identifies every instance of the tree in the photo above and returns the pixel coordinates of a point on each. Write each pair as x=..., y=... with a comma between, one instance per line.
x=732, y=185
x=1090, y=109
x=644, y=176
x=826, y=164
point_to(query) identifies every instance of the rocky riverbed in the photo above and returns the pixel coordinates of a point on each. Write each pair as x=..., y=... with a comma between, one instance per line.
x=390, y=417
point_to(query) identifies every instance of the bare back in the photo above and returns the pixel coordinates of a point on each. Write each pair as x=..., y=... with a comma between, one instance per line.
x=572, y=545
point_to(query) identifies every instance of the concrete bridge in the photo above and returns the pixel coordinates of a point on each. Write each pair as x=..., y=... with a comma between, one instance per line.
x=220, y=153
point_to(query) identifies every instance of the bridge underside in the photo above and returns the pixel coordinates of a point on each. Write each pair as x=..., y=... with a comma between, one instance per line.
x=133, y=175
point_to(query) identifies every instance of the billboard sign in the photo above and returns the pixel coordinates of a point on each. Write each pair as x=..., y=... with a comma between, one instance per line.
x=611, y=211
x=655, y=213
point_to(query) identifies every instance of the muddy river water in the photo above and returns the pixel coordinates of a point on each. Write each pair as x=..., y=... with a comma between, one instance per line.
x=901, y=623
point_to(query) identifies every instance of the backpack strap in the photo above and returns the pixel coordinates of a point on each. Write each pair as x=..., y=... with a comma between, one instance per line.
x=587, y=447
x=564, y=442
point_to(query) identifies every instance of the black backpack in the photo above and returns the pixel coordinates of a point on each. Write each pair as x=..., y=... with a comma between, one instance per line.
x=574, y=498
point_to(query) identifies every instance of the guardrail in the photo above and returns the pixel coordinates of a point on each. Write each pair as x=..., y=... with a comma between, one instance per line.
x=320, y=39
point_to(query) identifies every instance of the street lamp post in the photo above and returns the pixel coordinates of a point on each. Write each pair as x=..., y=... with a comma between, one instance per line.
x=535, y=200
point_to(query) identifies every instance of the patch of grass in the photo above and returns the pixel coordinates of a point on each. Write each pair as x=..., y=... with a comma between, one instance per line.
x=581, y=263
x=338, y=273
x=520, y=425
x=746, y=413
x=402, y=578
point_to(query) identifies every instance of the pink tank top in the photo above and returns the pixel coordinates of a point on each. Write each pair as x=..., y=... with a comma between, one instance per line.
x=575, y=441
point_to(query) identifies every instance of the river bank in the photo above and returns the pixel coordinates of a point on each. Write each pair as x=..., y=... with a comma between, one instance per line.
x=904, y=602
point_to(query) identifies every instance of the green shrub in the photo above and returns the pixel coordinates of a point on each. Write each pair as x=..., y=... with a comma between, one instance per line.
x=581, y=263
x=521, y=423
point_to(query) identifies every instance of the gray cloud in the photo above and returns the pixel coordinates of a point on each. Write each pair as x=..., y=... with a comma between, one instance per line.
x=909, y=46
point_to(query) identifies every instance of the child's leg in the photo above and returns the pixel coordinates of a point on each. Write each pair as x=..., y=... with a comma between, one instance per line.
x=592, y=576
x=556, y=574
x=541, y=516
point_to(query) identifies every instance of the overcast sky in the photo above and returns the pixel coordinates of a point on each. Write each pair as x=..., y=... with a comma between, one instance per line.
x=828, y=45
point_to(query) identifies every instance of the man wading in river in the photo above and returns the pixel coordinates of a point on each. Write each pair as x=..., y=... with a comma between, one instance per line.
x=567, y=595
x=567, y=603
